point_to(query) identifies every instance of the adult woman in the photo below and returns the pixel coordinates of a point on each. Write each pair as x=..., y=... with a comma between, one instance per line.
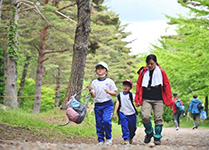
x=152, y=90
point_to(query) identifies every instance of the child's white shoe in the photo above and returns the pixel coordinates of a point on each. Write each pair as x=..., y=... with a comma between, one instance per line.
x=109, y=142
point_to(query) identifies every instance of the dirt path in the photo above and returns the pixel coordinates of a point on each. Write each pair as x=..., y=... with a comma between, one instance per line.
x=184, y=139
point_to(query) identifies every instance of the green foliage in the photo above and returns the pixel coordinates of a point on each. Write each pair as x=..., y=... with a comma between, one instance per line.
x=184, y=56
x=48, y=97
x=167, y=117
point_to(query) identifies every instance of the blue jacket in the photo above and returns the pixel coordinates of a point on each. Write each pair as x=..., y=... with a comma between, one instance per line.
x=193, y=106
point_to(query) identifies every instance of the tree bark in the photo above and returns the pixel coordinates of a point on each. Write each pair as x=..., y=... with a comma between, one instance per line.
x=2, y=86
x=57, y=98
x=1, y=1
x=25, y=70
x=79, y=50
x=206, y=105
x=10, y=61
x=40, y=72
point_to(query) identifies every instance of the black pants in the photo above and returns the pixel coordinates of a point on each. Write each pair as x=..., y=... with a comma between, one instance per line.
x=176, y=117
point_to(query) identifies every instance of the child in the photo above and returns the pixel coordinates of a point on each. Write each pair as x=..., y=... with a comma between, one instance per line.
x=102, y=89
x=126, y=112
x=193, y=107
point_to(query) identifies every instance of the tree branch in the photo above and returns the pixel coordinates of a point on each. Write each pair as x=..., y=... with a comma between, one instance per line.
x=63, y=15
x=21, y=11
x=43, y=16
x=25, y=1
x=44, y=60
x=66, y=6
x=61, y=51
x=36, y=48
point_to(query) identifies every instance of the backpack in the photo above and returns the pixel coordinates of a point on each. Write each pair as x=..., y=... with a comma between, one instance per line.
x=76, y=111
x=179, y=107
x=200, y=106
x=131, y=98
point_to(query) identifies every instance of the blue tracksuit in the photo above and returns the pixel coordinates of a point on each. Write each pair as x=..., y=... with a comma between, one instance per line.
x=128, y=125
x=103, y=114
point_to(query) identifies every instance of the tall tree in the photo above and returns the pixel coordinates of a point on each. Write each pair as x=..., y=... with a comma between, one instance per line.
x=1, y=1
x=80, y=49
x=10, y=58
x=1, y=64
x=24, y=74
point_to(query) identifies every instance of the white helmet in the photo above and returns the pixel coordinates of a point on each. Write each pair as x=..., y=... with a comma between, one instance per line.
x=102, y=64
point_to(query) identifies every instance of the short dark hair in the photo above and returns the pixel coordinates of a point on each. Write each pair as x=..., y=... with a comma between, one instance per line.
x=195, y=96
x=175, y=94
x=151, y=56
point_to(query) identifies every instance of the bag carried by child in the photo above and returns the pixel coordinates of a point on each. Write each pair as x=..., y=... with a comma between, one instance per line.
x=179, y=107
x=76, y=111
x=203, y=115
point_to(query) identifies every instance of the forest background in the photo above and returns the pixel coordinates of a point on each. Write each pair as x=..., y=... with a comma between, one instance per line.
x=41, y=45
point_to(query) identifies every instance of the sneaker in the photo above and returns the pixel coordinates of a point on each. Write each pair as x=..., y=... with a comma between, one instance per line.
x=126, y=143
x=101, y=143
x=131, y=141
x=194, y=127
x=157, y=141
x=177, y=128
x=109, y=142
x=148, y=138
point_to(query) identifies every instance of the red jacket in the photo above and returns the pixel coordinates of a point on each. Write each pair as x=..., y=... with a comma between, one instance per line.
x=166, y=89
x=173, y=106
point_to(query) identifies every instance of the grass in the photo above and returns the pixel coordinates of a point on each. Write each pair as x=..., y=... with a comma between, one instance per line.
x=45, y=124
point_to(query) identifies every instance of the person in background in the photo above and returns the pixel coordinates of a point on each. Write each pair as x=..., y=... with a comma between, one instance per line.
x=193, y=107
x=126, y=112
x=102, y=89
x=176, y=112
x=152, y=91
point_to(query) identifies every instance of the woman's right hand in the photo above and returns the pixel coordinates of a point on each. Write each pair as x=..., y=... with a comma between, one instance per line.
x=137, y=104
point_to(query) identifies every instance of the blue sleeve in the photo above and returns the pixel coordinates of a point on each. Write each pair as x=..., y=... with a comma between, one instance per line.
x=190, y=107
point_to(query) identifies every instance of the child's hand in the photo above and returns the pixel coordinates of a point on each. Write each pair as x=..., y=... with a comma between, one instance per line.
x=89, y=87
x=107, y=91
x=114, y=117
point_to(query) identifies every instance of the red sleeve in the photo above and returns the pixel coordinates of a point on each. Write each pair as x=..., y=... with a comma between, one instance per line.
x=167, y=95
x=139, y=89
x=137, y=97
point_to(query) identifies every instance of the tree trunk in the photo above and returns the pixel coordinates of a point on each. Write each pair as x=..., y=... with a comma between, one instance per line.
x=206, y=105
x=0, y=9
x=79, y=50
x=25, y=70
x=10, y=61
x=40, y=72
x=1, y=76
x=57, y=99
